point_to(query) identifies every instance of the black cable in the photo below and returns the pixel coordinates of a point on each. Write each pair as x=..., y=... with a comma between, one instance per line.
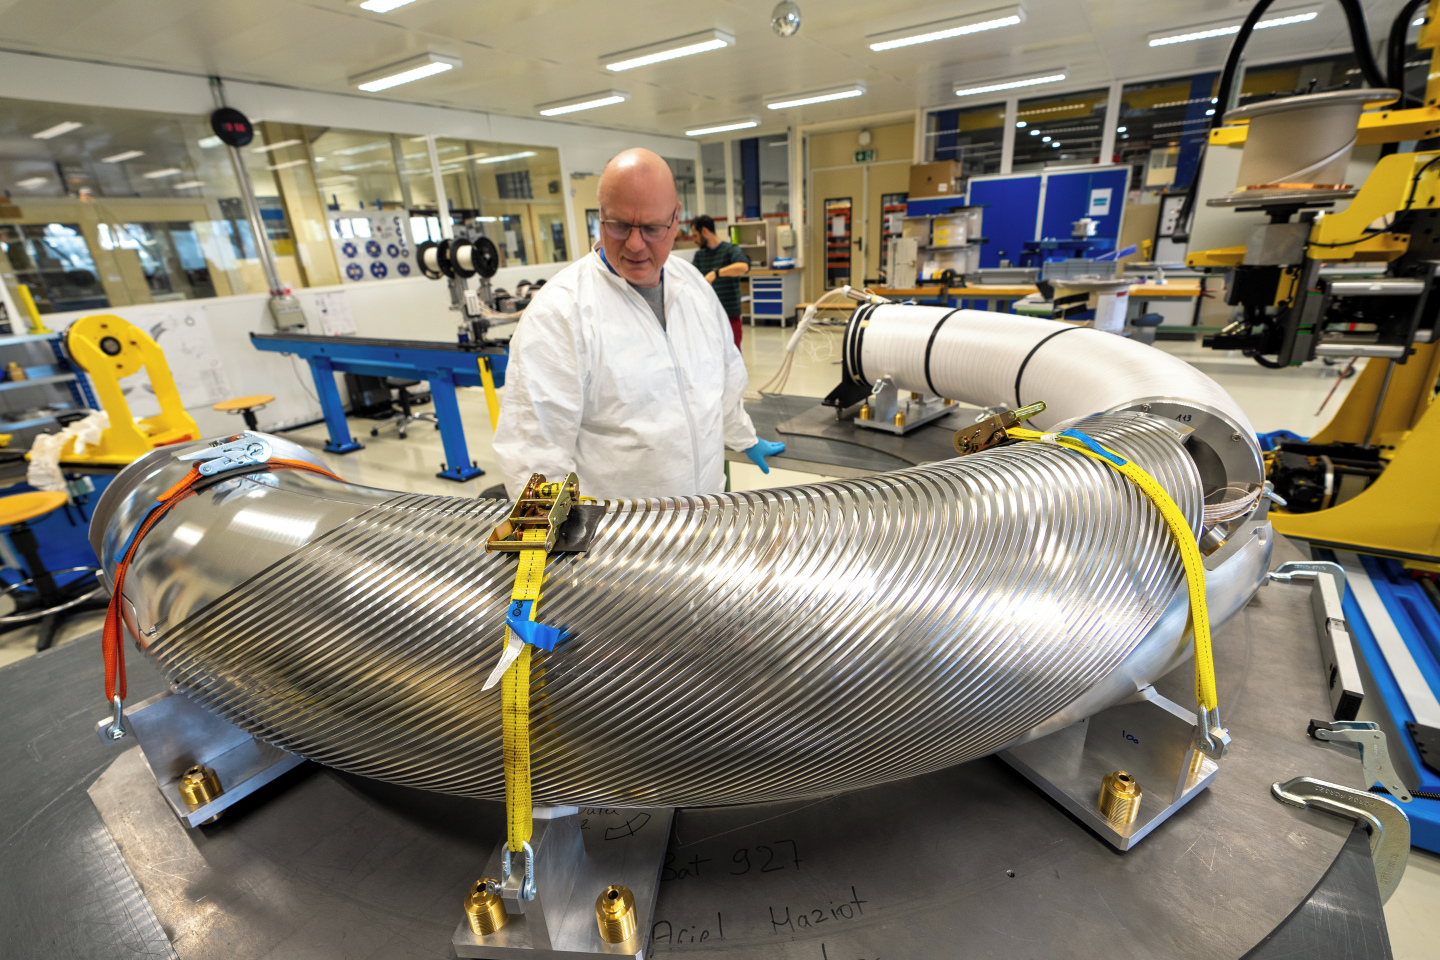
x=1395, y=47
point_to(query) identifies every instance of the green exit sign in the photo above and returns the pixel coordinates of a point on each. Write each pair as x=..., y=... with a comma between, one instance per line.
x=864, y=156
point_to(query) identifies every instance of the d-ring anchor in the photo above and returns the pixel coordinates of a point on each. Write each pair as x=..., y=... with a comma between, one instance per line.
x=111, y=730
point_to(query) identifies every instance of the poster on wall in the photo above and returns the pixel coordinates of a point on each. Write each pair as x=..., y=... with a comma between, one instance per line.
x=183, y=333
x=374, y=246
x=332, y=314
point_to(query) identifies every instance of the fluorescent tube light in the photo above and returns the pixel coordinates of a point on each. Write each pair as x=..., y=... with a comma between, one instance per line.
x=945, y=29
x=122, y=157
x=207, y=142
x=161, y=174
x=817, y=96
x=189, y=184
x=274, y=146
x=56, y=130
x=1011, y=84
x=406, y=71
x=601, y=98
x=287, y=164
x=1211, y=30
x=384, y=6
x=30, y=183
x=685, y=46
x=723, y=127
x=509, y=156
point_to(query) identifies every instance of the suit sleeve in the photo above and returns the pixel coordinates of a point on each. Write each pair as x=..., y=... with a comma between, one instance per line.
x=739, y=431
x=541, y=411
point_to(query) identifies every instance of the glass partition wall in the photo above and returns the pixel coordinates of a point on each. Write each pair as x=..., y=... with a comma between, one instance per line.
x=104, y=207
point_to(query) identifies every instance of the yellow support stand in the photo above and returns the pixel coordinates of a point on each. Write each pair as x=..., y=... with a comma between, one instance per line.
x=1398, y=514
x=109, y=348
x=27, y=302
x=492, y=399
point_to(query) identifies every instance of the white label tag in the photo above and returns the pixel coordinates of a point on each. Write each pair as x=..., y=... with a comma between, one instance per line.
x=511, y=653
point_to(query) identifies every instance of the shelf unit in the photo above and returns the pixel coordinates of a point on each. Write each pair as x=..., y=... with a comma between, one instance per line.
x=66, y=375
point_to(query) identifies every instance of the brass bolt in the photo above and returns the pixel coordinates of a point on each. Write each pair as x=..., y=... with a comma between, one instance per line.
x=615, y=913
x=899, y=418
x=865, y=412
x=914, y=395
x=198, y=786
x=949, y=402
x=484, y=910
x=1120, y=798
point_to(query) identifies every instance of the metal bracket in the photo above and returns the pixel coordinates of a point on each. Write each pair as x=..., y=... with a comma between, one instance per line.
x=1389, y=827
x=1337, y=650
x=1374, y=753
x=888, y=412
x=1148, y=736
x=246, y=450
x=176, y=734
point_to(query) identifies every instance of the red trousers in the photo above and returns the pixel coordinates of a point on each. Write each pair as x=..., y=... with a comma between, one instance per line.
x=736, y=327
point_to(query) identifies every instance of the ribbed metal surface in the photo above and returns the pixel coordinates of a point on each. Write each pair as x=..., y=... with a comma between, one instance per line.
x=752, y=646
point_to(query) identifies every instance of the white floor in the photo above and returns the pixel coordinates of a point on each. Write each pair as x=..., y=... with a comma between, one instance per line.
x=1273, y=400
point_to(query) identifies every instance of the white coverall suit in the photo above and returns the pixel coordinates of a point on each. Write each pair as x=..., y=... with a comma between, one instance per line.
x=595, y=385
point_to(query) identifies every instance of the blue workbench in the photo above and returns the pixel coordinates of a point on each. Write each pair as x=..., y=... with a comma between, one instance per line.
x=445, y=365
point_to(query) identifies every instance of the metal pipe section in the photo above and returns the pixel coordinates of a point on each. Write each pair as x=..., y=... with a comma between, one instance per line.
x=723, y=649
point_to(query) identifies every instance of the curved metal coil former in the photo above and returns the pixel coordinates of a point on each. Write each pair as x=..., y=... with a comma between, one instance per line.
x=724, y=649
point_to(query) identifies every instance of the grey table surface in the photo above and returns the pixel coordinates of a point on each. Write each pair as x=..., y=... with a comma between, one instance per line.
x=970, y=861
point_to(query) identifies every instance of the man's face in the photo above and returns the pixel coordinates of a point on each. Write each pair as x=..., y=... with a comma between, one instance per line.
x=635, y=258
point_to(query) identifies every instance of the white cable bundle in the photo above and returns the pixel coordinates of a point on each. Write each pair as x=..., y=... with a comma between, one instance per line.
x=976, y=357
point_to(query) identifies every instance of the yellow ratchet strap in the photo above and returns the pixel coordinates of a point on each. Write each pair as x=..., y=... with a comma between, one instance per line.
x=1205, y=693
x=492, y=399
x=515, y=701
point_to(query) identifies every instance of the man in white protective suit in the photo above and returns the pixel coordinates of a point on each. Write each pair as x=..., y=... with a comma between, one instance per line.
x=624, y=367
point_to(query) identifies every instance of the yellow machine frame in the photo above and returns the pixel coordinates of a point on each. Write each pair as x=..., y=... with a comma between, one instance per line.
x=1390, y=405
x=108, y=348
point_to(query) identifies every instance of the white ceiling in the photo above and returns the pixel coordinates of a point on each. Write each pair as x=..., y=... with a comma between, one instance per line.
x=518, y=54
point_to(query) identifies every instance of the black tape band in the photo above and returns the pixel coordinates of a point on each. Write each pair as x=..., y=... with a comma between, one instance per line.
x=861, y=317
x=930, y=344
x=1026, y=362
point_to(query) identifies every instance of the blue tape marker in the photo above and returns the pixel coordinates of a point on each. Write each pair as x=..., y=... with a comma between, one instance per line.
x=517, y=618
x=1095, y=447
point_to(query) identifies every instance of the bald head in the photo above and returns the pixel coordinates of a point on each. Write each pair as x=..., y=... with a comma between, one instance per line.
x=638, y=189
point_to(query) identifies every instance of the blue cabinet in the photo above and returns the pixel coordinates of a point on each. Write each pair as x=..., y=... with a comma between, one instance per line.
x=774, y=295
x=1027, y=207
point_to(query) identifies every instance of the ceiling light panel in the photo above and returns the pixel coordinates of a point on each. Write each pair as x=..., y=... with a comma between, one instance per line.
x=725, y=127
x=1012, y=83
x=161, y=174
x=816, y=96
x=685, y=46
x=122, y=157
x=589, y=101
x=509, y=156
x=406, y=71
x=1207, y=31
x=57, y=130
x=189, y=184
x=946, y=29
x=383, y=6
x=30, y=183
x=274, y=146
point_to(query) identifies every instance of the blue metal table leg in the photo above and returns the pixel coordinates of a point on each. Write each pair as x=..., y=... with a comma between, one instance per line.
x=323, y=373
x=452, y=431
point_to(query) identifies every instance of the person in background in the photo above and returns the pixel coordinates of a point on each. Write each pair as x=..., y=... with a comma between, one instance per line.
x=722, y=264
x=622, y=369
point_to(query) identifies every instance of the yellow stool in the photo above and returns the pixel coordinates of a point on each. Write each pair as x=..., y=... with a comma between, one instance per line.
x=45, y=600
x=246, y=407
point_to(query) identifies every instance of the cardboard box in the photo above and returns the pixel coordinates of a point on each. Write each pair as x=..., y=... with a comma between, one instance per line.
x=941, y=179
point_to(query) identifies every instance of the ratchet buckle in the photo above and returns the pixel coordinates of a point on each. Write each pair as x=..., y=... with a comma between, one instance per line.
x=991, y=430
x=245, y=450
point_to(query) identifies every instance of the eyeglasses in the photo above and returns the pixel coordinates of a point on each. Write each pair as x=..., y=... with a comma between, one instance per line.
x=649, y=232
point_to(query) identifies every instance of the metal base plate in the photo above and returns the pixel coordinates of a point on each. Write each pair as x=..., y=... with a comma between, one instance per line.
x=460, y=474
x=932, y=411
x=627, y=852
x=1150, y=738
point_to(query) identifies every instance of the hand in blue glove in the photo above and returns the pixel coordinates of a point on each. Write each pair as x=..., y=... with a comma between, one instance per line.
x=764, y=448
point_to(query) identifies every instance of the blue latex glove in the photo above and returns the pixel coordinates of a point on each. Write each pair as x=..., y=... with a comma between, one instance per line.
x=764, y=448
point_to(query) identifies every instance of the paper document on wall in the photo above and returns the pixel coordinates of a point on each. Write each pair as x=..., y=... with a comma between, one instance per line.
x=183, y=334
x=1099, y=202
x=333, y=312
x=837, y=226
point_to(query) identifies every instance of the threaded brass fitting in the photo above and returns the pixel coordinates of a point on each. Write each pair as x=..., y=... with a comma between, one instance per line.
x=484, y=910
x=949, y=402
x=899, y=418
x=198, y=786
x=865, y=412
x=1120, y=798
x=615, y=913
